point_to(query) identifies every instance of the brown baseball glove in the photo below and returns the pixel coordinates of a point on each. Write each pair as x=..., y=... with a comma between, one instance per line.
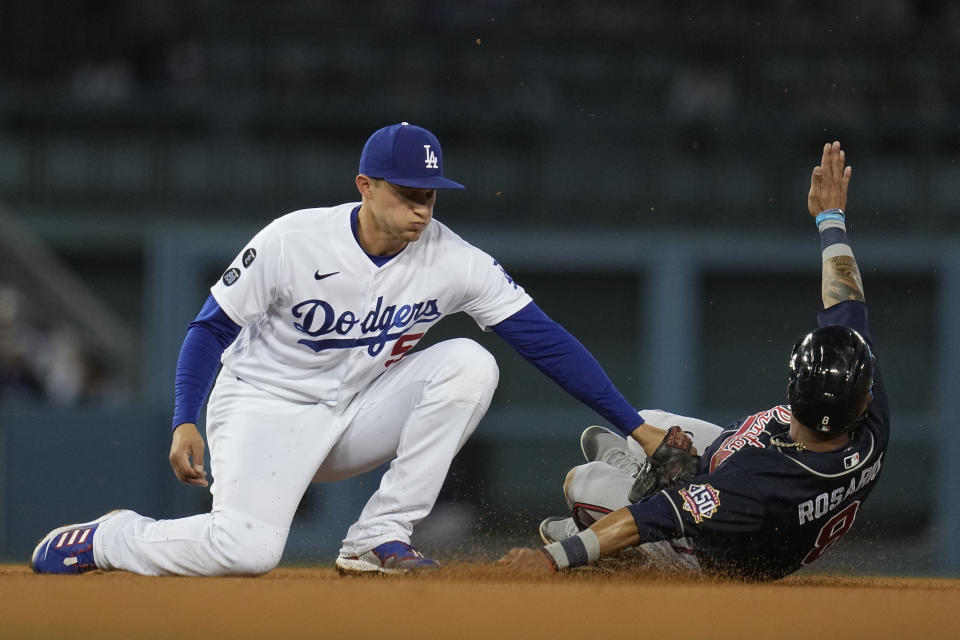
x=674, y=460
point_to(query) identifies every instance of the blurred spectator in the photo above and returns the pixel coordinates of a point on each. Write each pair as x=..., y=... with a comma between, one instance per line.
x=40, y=357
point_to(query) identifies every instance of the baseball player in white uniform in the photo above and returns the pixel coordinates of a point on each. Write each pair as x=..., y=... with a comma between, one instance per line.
x=314, y=322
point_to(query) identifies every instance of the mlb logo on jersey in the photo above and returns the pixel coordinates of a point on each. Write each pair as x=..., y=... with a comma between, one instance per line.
x=701, y=500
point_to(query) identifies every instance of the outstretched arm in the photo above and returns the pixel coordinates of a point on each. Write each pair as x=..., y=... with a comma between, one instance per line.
x=826, y=202
x=612, y=533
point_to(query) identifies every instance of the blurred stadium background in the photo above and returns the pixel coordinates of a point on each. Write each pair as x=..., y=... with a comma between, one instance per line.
x=640, y=167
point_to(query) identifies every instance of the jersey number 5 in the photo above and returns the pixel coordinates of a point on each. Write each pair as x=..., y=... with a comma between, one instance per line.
x=401, y=346
x=831, y=532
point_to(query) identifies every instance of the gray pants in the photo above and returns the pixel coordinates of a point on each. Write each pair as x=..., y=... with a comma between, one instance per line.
x=595, y=489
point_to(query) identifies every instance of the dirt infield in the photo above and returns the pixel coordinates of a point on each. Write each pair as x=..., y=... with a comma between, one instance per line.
x=470, y=601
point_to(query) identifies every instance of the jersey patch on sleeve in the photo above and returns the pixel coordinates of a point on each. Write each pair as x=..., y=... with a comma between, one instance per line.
x=248, y=257
x=230, y=276
x=701, y=501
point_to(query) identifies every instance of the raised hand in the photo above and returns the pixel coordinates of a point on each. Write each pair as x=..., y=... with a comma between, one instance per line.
x=829, y=182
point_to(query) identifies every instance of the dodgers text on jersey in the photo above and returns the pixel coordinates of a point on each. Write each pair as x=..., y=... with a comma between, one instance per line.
x=319, y=318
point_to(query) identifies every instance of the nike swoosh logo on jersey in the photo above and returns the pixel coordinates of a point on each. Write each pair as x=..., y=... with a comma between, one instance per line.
x=321, y=276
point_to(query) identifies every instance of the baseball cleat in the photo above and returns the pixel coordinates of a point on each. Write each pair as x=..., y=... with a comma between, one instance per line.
x=389, y=557
x=557, y=528
x=69, y=549
x=602, y=445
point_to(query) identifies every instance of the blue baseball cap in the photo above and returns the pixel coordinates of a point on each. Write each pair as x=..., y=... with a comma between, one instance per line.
x=406, y=155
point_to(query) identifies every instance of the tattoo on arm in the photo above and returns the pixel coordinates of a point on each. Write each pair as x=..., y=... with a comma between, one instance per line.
x=841, y=281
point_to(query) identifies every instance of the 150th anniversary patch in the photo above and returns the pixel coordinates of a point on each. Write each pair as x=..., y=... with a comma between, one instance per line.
x=701, y=500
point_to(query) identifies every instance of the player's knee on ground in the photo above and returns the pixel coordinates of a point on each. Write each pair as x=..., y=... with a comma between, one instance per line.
x=242, y=546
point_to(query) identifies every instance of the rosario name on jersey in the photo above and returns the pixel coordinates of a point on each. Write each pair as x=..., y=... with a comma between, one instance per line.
x=321, y=321
x=761, y=510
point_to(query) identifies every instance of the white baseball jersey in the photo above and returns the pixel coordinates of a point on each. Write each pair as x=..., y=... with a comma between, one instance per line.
x=321, y=321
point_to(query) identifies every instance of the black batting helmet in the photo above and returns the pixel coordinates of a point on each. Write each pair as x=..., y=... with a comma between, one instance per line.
x=831, y=370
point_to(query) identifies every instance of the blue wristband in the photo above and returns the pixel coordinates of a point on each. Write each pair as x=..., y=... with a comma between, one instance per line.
x=830, y=214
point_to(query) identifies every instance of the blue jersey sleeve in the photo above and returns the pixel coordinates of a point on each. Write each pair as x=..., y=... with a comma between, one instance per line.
x=554, y=351
x=207, y=338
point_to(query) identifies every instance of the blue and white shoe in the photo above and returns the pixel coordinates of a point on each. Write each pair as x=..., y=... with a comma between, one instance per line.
x=389, y=557
x=69, y=549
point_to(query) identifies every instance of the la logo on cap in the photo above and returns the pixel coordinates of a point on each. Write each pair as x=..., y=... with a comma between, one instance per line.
x=431, y=160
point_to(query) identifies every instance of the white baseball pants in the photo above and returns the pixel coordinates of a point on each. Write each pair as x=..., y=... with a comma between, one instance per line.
x=264, y=452
x=596, y=488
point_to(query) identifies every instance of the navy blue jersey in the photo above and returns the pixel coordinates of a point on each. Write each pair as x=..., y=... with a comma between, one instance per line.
x=760, y=508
